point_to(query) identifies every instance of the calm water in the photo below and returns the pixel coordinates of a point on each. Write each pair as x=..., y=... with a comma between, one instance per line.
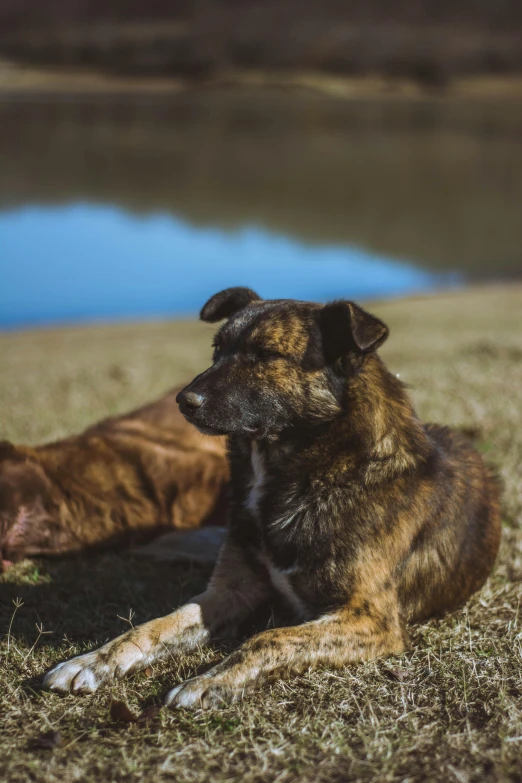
x=145, y=209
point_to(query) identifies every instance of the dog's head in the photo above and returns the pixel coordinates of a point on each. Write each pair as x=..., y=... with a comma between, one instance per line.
x=278, y=365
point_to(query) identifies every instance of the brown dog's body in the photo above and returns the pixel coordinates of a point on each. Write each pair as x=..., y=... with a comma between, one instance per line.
x=121, y=481
x=343, y=503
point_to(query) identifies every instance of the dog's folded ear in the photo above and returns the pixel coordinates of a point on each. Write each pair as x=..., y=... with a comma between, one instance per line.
x=227, y=303
x=347, y=328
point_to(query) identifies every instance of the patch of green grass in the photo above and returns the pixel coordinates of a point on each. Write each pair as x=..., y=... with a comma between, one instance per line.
x=449, y=709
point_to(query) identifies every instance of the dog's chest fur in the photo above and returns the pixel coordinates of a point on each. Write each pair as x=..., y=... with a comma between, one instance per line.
x=258, y=480
x=280, y=577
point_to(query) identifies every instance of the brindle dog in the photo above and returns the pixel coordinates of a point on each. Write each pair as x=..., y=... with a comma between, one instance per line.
x=357, y=514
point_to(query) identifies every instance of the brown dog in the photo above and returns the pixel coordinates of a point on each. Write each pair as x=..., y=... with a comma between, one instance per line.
x=358, y=515
x=122, y=481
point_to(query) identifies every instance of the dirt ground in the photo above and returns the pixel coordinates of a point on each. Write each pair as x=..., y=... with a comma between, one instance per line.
x=449, y=709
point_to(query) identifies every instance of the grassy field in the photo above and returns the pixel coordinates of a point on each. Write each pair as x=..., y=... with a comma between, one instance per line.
x=450, y=709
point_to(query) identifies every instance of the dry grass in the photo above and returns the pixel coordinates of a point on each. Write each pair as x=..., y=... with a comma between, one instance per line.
x=448, y=710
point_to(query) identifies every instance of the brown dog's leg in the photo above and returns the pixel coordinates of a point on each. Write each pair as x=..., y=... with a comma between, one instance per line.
x=235, y=590
x=333, y=640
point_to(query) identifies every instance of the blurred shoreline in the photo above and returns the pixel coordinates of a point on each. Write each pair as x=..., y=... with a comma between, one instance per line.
x=26, y=82
x=472, y=297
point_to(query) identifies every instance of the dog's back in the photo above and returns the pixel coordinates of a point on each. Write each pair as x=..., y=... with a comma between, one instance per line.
x=453, y=552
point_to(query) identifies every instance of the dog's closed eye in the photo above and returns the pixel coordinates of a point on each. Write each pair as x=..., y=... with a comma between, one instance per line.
x=217, y=346
x=264, y=352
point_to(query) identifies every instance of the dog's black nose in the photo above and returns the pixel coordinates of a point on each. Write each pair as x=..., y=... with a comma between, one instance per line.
x=188, y=400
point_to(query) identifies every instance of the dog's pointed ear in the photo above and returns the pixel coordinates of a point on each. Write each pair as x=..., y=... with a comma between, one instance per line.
x=226, y=303
x=346, y=328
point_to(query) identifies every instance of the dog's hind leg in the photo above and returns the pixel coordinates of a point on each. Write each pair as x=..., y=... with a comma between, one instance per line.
x=351, y=634
x=234, y=591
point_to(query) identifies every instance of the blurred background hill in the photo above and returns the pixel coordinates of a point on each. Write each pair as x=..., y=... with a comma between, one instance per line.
x=428, y=40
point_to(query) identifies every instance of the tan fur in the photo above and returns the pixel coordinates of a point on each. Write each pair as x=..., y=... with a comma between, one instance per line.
x=122, y=481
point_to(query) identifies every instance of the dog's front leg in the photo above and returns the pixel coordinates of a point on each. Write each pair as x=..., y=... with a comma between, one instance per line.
x=235, y=589
x=334, y=640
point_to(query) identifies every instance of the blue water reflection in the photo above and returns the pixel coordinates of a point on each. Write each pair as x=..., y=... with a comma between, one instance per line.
x=85, y=262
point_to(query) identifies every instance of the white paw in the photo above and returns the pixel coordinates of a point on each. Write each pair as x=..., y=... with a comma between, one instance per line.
x=187, y=695
x=83, y=674
x=207, y=691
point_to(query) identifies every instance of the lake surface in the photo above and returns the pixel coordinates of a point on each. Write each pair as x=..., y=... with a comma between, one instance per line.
x=144, y=209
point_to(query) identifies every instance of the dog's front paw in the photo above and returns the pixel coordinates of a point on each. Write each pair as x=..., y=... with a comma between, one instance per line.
x=83, y=674
x=203, y=692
